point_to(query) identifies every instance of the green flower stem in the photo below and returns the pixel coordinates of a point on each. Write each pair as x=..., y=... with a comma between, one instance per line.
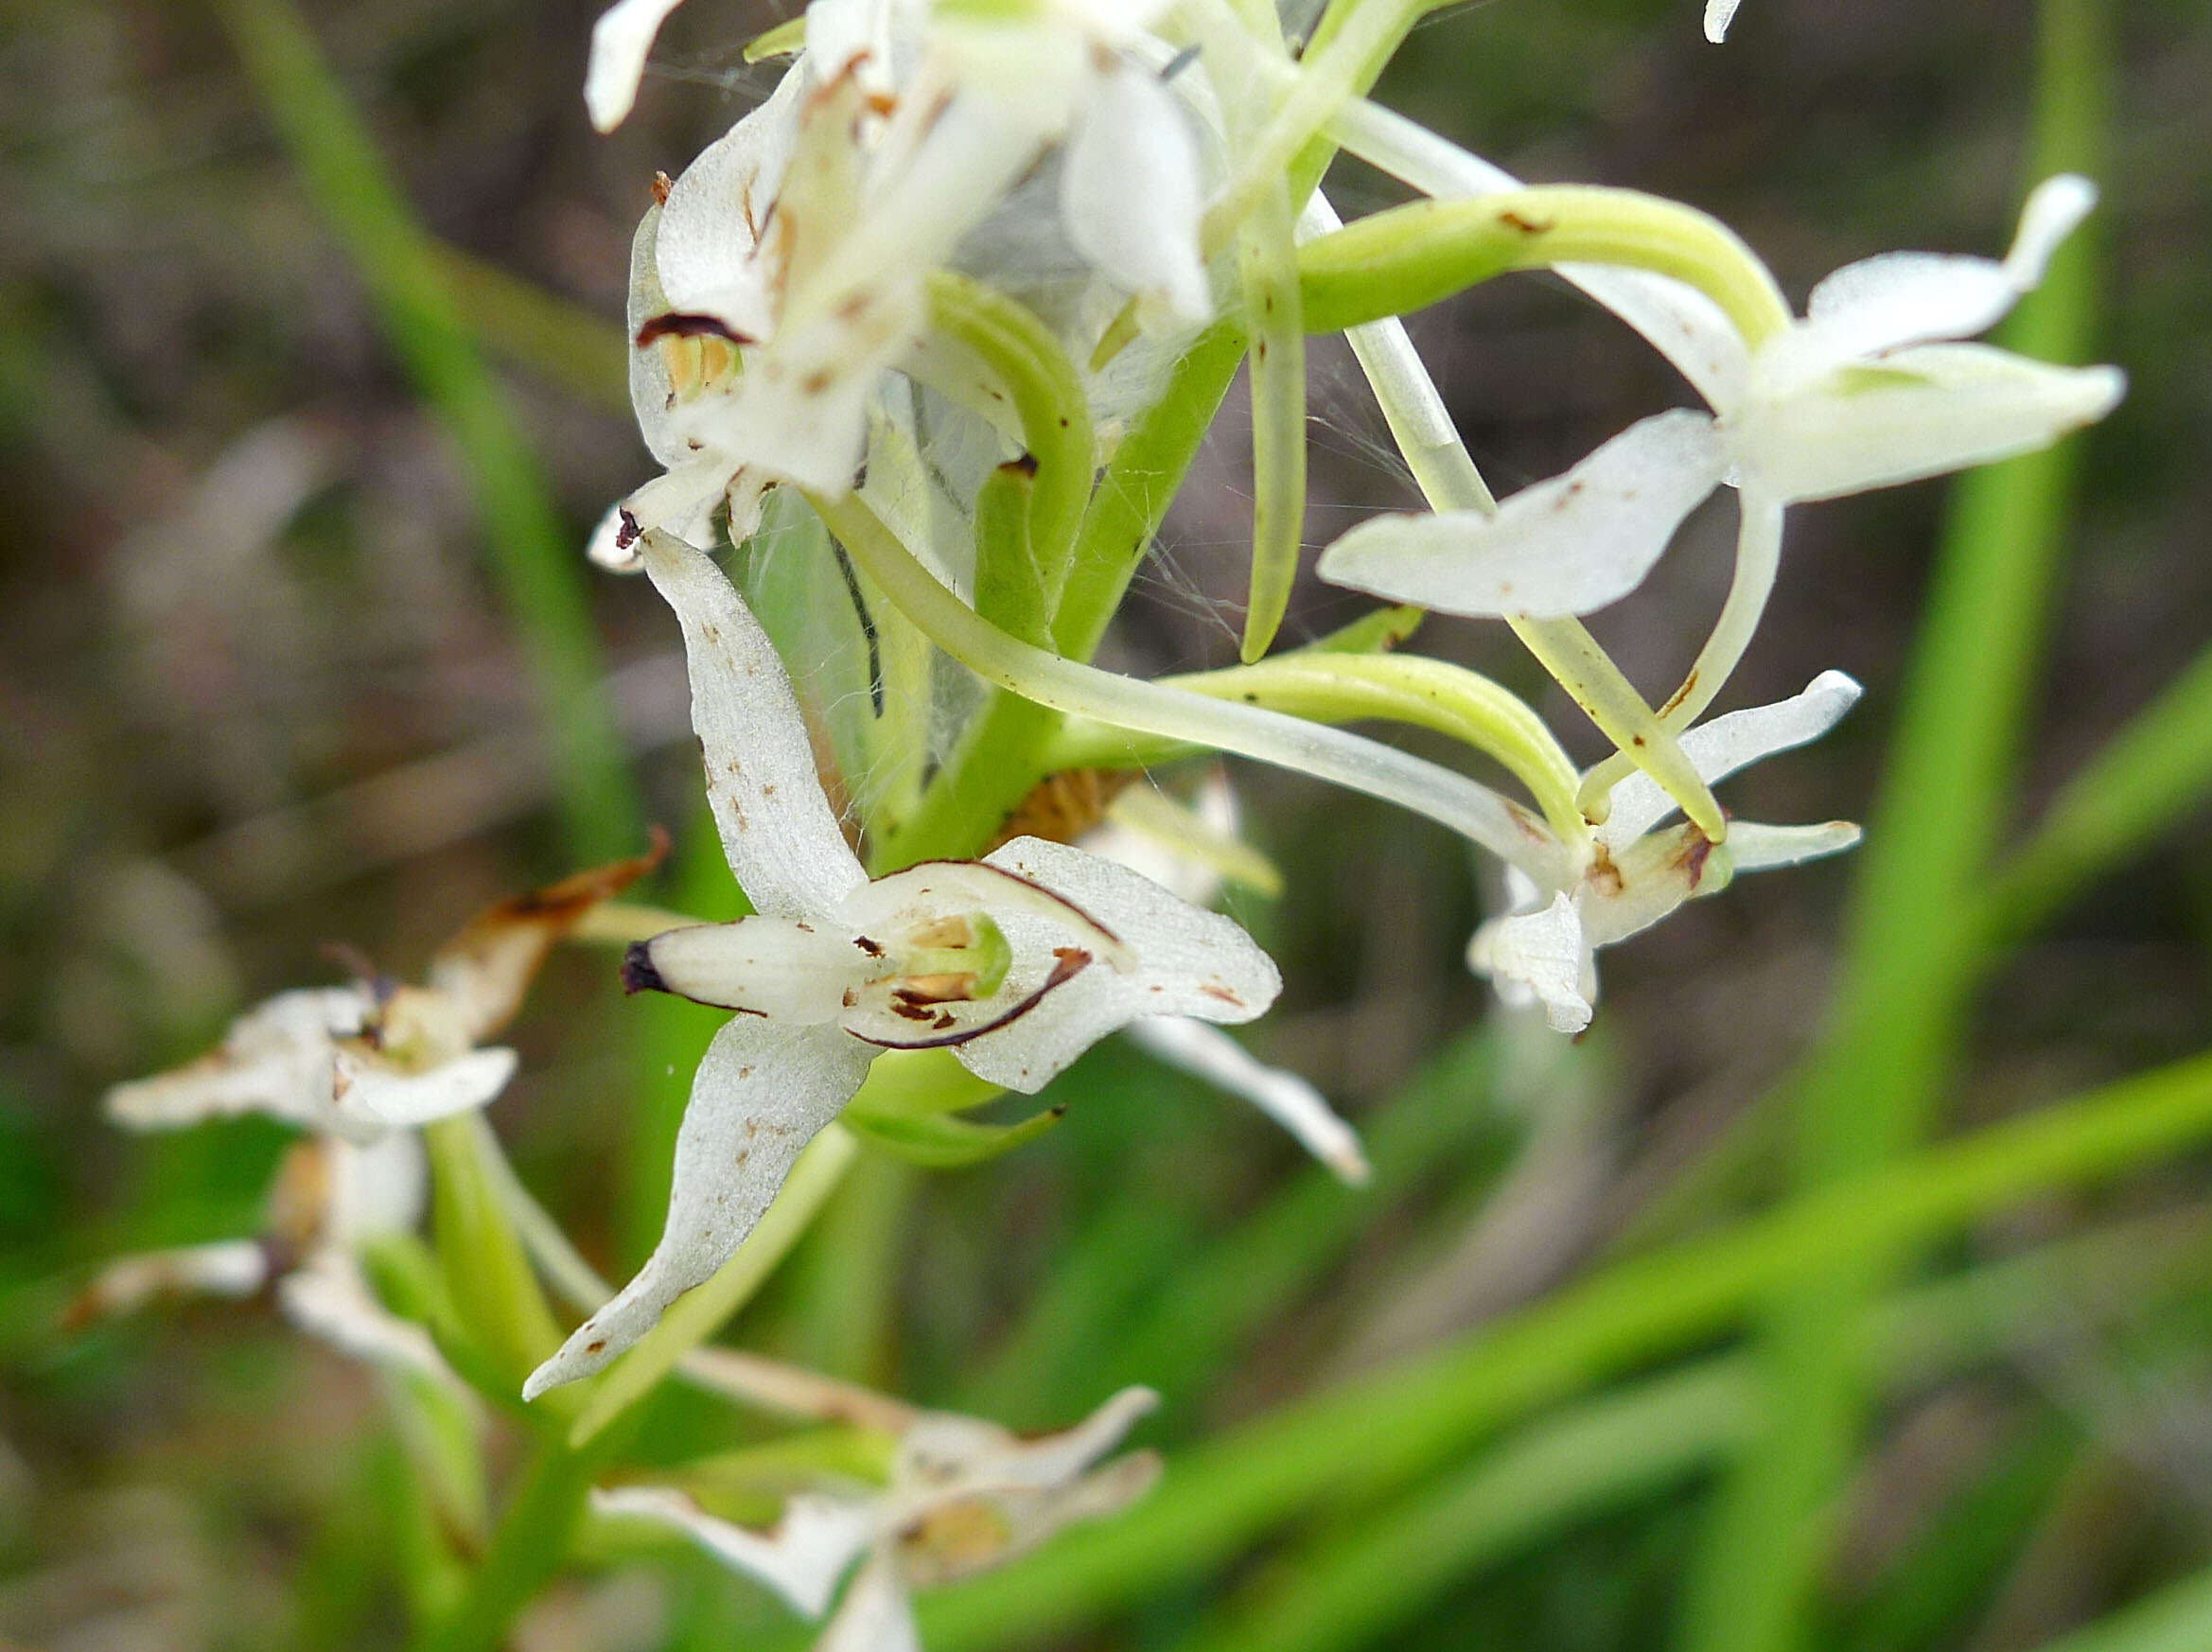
x=487, y=1273
x=1341, y=687
x=530, y=1547
x=1047, y=395
x=1869, y=1092
x=1010, y=587
x=1374, y=1432
x=996, y=764
x=534, y=559
x=1266, y=262
x=701, y=1312
x=1414, y=256
x=1473, y=811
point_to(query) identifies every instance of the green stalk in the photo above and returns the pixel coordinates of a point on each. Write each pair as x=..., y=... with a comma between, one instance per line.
x=1420, y=254
x=1382, y=1429
x=1869, y=1092
x=535, y=559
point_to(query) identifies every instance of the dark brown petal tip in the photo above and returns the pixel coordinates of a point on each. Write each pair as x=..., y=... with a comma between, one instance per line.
x=639, y=976
x=685, y=323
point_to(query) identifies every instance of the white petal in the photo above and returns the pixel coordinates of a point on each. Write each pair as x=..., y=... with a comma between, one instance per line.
x=232, y=1268
x=1755, y=847
x=1209, y=1053
x=1545, y=956
x=1132, y=196
x=1882, y=304
x=619, y=41
x=783, y=969
x=1567, y=546
x=327, y=1298
x=1719, y=748
x=801, y=1559
x=376, y=1190
x=945, y=1456
x=277, y=1059
x=1718, y=15
x=761, y=1092
x=706, y=252
x=1188, y=963
x=1922, y=413
x=652, y=388
x=1649, y=880
x=371, y=1096
x=876, y=1615
x=782, y=842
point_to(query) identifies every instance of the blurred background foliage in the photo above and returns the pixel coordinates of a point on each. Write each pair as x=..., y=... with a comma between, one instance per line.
x=288, y=590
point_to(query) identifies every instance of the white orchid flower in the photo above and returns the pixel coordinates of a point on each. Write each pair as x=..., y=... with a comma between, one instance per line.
x=1868, y=391
x=1017, y=962
x=963, y=1496
x=1718, y=15
x=1545, y=951
x=360, y=1061
x=331, y=1196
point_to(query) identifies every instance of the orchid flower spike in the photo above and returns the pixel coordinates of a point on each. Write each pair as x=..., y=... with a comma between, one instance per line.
x=330, y=1198
x=360, y=1060
x=1017, y=962
x=1869, y=389
x=963, y=1496
x=1545, y=951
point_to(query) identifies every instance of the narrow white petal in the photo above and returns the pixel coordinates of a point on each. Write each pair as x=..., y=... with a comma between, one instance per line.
x=1755, y=847
x=1188, y=963
x=1718, y=15
x=801, y=1559
x=1922, y=412
x=652, y=388
x=619, y=41
x=1567, y=546
x=277, y=1059
x=1131, y=195
x=706, y=252
x=782, y=842
x=232, y=1268
x=783, y=969
x=327, y=1298
x=1878, y=305
x=371, y=1096
x=1209, y=1053
x=761, y=1092
x=1545, y=956
x=944, y=1456
x=1725, y=744
x=876, y=1614
x=379, y=1188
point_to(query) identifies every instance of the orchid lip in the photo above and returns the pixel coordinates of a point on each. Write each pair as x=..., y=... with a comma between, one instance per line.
x=1070, y=962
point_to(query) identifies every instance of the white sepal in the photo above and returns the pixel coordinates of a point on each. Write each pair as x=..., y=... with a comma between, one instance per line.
x=1209, y=1054
x=1131, y=195
x=1542, y=957
x=801, y=1559
x=763, y=1091
x=1567, y=546
x=621, y=40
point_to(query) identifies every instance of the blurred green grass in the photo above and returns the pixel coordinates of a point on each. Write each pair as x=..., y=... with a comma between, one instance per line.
x=169, y=289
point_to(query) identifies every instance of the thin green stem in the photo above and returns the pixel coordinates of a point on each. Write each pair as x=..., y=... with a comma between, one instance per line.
x=1341, y=688
x=1414, y=256
x=539, y=568
x=1452, y=799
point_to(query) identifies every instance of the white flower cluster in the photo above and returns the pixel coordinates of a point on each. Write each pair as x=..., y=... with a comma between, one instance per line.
x=1118, y=178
